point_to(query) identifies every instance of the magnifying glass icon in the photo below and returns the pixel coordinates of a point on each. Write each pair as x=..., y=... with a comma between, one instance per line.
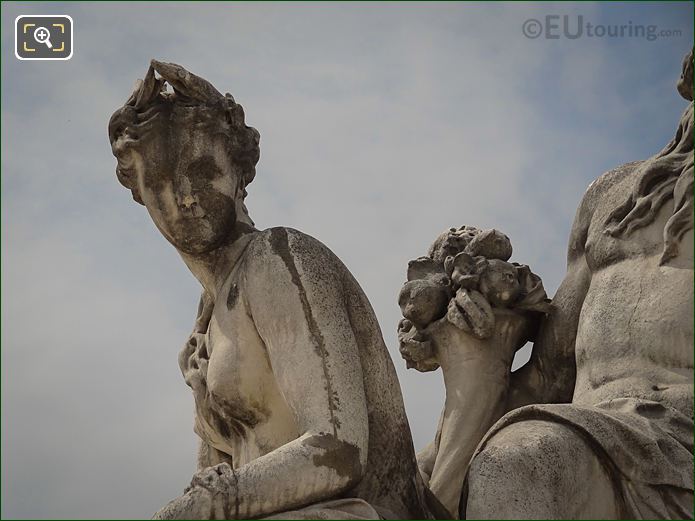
x=43, y=35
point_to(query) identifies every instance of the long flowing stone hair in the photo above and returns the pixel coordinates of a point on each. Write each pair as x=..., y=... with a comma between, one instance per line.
x=666, y=176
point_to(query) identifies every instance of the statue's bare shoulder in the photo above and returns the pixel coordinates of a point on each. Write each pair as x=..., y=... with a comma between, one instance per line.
x=331, y=361
x=597, y=195
x=307, y=260
x=292, y=285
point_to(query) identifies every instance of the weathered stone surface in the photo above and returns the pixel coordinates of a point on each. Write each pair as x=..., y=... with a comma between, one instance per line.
x=600, y=422
x=297, y=402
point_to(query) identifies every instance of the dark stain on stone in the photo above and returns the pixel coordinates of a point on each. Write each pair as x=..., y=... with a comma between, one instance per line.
x=338, y=455
x=279, y=242
x=236, y=497
x=241, y=228
x=211, y=511
x=226, y=502
x=203, y=169
x=221, y=423
x=232, y=296
x=235, y=414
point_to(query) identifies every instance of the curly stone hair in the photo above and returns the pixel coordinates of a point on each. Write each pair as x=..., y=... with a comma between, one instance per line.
x=151, y=108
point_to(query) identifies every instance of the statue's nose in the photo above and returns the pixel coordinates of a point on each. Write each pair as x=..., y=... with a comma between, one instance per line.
x=187, y=202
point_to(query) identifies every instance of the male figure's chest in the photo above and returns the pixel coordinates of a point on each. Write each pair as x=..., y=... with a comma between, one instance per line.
x=636, y=308
x=603, y=250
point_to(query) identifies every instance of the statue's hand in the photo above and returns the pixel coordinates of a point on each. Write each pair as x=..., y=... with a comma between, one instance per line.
x=196, y=503
x=460, y=349
x=193, y=361
x=218, y=479
x=207, y=497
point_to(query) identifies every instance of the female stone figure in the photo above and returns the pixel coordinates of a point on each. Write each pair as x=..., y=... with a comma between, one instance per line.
x=297, y=403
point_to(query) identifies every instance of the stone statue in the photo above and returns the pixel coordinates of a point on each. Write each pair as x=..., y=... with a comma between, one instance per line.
x=600, y=422
x=298, y=407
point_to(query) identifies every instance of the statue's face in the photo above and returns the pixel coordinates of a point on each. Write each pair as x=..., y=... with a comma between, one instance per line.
x=189, y=186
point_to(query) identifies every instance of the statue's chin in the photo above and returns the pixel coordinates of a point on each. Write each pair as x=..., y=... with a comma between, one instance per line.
x=197, y=247
x=197, y=236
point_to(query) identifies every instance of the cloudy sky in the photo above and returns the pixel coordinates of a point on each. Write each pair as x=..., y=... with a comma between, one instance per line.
x=381, y=125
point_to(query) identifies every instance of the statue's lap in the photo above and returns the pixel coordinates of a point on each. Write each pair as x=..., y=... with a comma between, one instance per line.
x=644, y=446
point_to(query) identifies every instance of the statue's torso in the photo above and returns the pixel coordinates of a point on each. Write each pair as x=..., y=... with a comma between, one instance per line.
x=242, y=413
x=635, y=333
x=240, y=409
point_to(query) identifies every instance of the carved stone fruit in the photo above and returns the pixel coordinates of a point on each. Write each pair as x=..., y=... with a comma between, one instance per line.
x=423, y=301
x=464, y=272
x=499, y=283
x=423, y=267
x=491, y=244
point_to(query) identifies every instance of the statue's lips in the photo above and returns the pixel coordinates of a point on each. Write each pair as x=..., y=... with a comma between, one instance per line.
x=189, y=222
x=192, y=234
x=191, y=227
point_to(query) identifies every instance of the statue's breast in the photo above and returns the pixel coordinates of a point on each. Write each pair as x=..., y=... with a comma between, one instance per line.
x=239, y=408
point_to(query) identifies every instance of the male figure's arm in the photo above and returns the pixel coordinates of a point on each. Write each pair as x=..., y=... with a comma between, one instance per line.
x=550, y=375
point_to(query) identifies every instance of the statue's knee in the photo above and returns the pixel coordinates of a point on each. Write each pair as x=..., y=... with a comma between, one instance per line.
x=496, y=484
x=533, y=469
x=520, y=473
x=525, y=452
x=496, y=464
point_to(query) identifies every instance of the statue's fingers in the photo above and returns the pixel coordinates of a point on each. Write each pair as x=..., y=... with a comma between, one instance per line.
x=223, y=468
x=207, y=478
x=194, y=504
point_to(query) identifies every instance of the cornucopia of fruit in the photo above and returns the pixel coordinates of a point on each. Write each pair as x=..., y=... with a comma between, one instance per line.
x=465, y=277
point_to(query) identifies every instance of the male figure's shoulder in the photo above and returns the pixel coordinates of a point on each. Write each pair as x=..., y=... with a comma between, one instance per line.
x=594, y=198
x=606, y=182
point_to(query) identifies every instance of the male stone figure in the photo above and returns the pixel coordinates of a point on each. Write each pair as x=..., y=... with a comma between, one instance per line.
x=617, y=347
x=297, y=403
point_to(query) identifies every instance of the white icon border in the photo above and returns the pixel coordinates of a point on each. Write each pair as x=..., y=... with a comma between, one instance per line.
x=72, y=37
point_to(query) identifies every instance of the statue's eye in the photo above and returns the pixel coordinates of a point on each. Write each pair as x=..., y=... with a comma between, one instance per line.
x=203, y=169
